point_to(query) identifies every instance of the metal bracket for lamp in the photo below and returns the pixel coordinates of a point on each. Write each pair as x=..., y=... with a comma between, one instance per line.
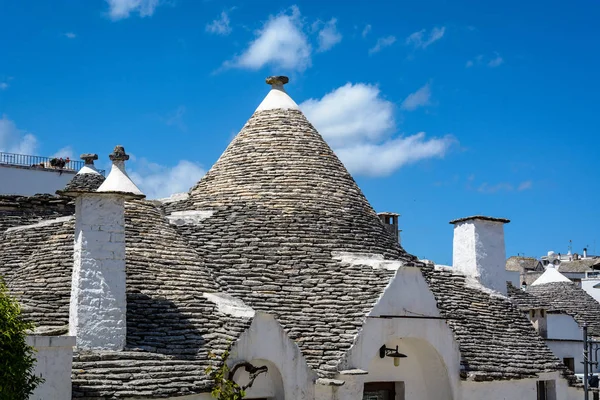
x=393, y=353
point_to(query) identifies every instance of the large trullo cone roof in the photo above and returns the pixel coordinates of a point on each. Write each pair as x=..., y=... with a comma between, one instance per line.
x=279, y=168
x=283, y=226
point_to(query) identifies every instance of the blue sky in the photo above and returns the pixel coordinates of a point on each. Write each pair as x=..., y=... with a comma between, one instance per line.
x=439, y=109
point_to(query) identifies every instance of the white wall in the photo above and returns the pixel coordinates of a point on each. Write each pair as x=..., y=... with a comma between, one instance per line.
x=522, y=389
x=431, y=370
x=479, y=252
x=98, y=300
x=513, y=277
x=267, y=385
x=54, y=359
x=27, y=182
x=588, y=286
x=572, y=349
x=266, y=340
x=562, y=326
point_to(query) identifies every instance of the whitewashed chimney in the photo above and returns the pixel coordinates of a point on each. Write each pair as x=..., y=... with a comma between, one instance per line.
x=479, y=251
x=98, y=305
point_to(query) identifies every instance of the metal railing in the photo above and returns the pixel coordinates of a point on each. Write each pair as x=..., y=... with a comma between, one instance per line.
x=39, y=162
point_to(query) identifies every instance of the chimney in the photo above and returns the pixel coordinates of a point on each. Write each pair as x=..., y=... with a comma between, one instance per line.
x=390, y=221
x=97, y=316
x=479, y=251
x=585, y=252
x=539, y=321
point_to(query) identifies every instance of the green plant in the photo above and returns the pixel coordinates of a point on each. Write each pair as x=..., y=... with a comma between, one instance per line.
x=224, y=387
x=17, y=359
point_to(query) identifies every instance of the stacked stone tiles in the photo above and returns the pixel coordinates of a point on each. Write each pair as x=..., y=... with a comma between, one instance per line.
x=524, y=300
x=496, y=340
x=171, y=327
x=21, y=210
x=87, y=182
x=567, y=297
x=282, y=202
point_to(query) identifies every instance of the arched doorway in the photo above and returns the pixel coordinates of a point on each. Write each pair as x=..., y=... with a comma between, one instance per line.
x=266, y=386
x=422, y=375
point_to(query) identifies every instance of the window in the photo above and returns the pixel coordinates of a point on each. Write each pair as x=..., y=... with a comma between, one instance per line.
x=569, y=363
x=383, y=391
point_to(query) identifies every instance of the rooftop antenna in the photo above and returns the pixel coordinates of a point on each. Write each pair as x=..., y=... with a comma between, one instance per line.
x=570, y=246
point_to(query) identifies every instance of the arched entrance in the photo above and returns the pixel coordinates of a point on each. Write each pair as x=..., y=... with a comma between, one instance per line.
x=422, y=375
x=267, y=386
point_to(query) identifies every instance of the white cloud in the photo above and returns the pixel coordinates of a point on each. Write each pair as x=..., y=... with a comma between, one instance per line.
x=366, y=30
x=417, y=99
x=498, y=187
x=329, y=36
x=496, y=61
x=70, y=35
x=159, y=181
x=175, y=118
x=220, y=26
x=351, y=112
x=3, y=85
x=383, y=159
x=65, y=152
x=358, y=124
x=15, y=140
x=525, y=186
x=382, y=43
x=420, y=40
x=504, y=187
x=119, y=9
x=281, y=42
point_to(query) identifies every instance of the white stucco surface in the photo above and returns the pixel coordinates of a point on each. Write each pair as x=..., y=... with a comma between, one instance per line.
x=265, y=340
x=277, y=98
x=550, y=275
x=54, y=358
x=589, y=286
x=518, y=389
x=562, y=326
x=375, y=261
x=27, y=182
x=431, y=370
x=190, y=217
x=88, y=169
x=571, y=349
x=98, y=303
x=479, y=252
x=230, y=305
x=119, y=181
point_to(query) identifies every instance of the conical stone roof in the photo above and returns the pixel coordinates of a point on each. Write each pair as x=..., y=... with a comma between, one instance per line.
x=283, y=226
x=279, y=168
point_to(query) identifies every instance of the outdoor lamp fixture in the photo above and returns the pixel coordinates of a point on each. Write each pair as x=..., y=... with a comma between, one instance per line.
x=384, y=351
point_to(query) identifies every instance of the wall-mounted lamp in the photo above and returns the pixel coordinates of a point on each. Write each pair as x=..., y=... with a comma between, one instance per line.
x=384, y=351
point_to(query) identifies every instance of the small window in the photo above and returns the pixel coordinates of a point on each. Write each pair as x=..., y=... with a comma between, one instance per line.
x=569, y=363
x=379, y=391
x=532, y=313
x=543, y=313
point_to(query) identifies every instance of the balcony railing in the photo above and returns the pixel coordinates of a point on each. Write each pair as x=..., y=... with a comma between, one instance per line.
x=39, y=162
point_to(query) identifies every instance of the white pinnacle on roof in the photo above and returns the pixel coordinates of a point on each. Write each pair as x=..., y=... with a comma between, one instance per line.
x=551, y=275
x=88, y=166
x=118, y=180
x=277, y=97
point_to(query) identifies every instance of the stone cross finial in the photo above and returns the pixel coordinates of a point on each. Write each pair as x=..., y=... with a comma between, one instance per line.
x=89, y=158
x=277, y=80
x=119, y=154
